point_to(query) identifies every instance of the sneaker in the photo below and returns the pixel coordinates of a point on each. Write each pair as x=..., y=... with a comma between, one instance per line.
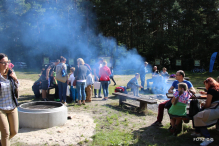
x=44, y=99
x=115, y=84
x=195, y=134
x=100, y=96
x=105, y=99
x=95, y=96
x=206, y=142
x=58, y=100
x=65, y=103
x=159, y=124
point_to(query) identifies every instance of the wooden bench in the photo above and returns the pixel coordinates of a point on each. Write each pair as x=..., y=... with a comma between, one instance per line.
x=48, y=90
x=143, y=101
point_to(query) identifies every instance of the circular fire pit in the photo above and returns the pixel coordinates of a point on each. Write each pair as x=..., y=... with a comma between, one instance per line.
x=42, y=114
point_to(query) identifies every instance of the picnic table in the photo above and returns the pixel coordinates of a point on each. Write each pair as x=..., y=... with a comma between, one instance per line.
x=143, y=101
x=202, y=88
x=199, y=96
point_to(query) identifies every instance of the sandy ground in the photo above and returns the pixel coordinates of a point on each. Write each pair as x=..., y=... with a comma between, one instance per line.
x=79, y=128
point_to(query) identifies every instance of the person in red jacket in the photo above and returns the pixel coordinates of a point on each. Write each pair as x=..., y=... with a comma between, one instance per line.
x=104, y=79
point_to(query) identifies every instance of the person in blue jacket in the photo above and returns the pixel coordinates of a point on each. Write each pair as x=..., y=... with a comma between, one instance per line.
x=143, y=72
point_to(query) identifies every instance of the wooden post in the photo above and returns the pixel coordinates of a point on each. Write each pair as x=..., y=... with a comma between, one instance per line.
x=121, y=99
x=143, y=105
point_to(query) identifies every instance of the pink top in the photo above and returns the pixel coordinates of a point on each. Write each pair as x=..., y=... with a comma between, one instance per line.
x=10, y=65
x=104, y=73
x=183, y=98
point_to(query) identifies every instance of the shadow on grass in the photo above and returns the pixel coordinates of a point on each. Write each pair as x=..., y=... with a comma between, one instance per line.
x=130, y=110
x=160, y=136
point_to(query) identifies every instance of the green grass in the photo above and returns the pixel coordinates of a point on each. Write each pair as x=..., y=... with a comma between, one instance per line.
x=117, y=126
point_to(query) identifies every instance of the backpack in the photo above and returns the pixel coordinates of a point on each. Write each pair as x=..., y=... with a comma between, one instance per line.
x=121, y=89
x=194, y=106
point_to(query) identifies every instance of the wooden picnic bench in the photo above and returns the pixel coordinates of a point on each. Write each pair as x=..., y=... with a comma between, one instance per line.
x=199, y=96
x=143, y=101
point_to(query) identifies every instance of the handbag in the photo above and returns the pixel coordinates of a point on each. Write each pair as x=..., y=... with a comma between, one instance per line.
x=194, y=106
x=68, y=91
x=59, y=76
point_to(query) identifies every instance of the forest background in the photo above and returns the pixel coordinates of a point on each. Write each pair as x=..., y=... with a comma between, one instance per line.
x=164, y=29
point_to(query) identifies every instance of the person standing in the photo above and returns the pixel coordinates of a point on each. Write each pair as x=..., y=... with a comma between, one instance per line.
x=62, y=84
x=155, y=76
x=72, y=88
x=111, y=76
x=97, y=76
x=8, y=102
x=143, y=72
x=45, y=77
x=104, y=79
x=81, y=72
x=89, y=83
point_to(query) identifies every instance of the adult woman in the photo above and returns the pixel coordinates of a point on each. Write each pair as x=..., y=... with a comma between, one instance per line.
x=8, y=102
x=81, y=72
x=104, y=79
x=210, y=113
x=62, y=80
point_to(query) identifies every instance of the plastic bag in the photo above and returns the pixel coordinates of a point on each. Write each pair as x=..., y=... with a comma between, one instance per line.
x=68, y=91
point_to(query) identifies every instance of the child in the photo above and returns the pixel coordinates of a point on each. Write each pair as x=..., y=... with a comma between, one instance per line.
x=72, y=89
x=178, y=108
x=89, y=83
x=133, y=84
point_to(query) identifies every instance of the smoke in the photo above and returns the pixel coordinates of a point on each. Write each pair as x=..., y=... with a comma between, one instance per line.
x=33, y=29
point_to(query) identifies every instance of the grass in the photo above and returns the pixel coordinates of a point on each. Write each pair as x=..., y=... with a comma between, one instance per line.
x=119, y=126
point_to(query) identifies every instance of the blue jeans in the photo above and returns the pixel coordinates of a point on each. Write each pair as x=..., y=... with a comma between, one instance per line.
x=105, y=85
x=62, y=91
x=74, y=93
x=203, y=131
x=142, y=77
x=81, y=90
x=135, y=90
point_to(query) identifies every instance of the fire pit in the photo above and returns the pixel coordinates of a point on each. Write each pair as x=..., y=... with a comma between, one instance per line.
x=42, y=114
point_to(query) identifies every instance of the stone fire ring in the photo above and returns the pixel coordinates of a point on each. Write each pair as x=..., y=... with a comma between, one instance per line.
x=42, y=114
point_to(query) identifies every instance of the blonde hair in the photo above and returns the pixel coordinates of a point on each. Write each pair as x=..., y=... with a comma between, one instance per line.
x=104, y=62
x=184, y=87
x=146, y=63
x=81, y=61
x=136, y=74
x=164, y=68
x=72, y=69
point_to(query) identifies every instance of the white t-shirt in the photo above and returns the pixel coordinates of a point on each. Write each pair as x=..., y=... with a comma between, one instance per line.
x=71, y=78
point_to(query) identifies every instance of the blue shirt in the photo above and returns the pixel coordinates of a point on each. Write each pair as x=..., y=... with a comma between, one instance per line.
x=143, y=70
x=176, y=82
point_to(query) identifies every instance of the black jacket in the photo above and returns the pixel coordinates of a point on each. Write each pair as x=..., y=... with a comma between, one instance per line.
x=14, y=88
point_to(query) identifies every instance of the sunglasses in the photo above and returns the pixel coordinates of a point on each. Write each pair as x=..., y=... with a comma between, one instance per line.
x=4, y=63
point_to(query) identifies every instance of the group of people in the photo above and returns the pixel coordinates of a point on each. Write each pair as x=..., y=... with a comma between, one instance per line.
x=209, y=112
x=80, y=80
x=81, y=77
x=157, y=77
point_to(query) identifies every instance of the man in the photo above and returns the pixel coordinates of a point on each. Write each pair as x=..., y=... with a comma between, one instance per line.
x=45, y=77
x=179, y=78
x=154, y=78
x=133, y=84
x=143, y=72
x=97, y=76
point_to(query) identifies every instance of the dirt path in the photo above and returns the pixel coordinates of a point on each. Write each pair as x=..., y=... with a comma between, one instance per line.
x=78, y=129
